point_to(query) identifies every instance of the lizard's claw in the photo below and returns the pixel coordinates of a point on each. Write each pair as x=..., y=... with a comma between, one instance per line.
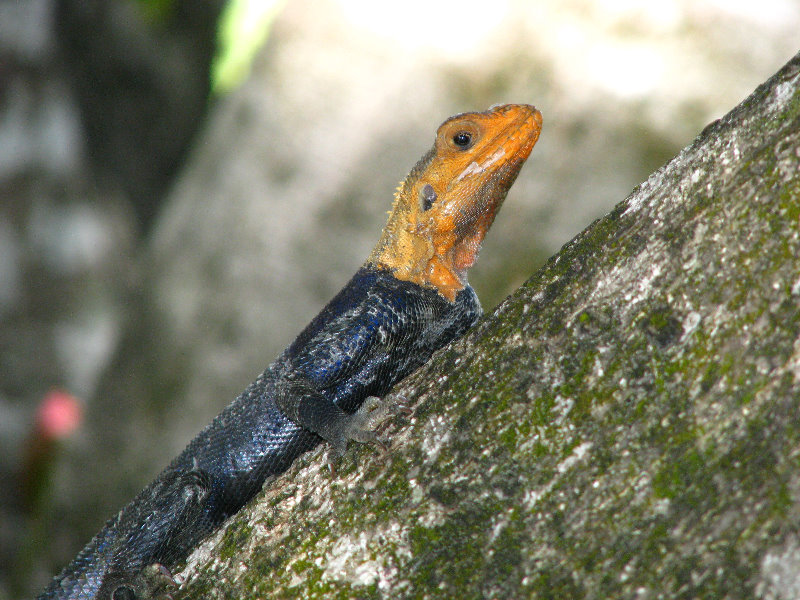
x=362, y=424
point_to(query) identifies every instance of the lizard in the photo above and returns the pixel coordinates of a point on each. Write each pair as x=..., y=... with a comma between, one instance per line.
x=410, y=298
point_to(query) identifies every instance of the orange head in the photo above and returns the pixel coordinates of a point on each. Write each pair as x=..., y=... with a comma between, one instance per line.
x=447, y=203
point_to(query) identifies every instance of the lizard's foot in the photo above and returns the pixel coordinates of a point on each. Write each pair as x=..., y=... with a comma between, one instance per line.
x=317, y=413
x=154, y=581
x=361, y=425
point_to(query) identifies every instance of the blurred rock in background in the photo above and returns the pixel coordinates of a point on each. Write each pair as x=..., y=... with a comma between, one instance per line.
x=98, y=103
x=155, y=292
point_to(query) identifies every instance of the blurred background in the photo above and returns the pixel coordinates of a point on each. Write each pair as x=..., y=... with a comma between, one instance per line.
x=184, y=184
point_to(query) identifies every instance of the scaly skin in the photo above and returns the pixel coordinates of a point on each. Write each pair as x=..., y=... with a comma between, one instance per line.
x=408, y=300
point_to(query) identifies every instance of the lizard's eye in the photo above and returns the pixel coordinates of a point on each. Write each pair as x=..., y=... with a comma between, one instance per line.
x=463, y=140
x=460, y=134
x=427, y=196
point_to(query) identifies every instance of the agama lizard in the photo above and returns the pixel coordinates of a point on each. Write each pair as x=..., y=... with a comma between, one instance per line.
x=409, y=299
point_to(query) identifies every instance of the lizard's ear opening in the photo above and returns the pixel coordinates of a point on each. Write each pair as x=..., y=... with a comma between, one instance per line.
x=427, y=196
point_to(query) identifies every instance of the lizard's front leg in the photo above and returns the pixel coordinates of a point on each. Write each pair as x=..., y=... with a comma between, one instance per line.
x=154, y=581
x=299, y=400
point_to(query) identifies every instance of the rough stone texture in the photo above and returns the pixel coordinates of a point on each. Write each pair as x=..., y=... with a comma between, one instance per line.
x=624, y=426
